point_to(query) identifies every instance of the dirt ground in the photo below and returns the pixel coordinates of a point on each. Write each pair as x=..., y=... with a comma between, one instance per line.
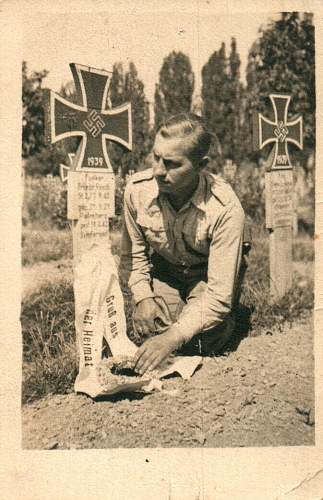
x=260, y=395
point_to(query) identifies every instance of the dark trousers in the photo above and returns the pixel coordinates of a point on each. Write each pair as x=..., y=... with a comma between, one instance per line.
x=182, y=288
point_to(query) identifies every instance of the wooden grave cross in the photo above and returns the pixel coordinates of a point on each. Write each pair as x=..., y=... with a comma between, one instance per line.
x=90, y=176
x=90, y=185
x=279, y=188
x=91, y=119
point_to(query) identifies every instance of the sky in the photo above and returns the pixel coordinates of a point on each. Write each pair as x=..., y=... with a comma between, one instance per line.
x=53, y=40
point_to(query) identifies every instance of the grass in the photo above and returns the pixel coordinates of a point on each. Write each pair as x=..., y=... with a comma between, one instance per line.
x=45, y=245
x=295, y=305
x=48, y=244
x=303, y=249
x=47, y=316
x=49, y=354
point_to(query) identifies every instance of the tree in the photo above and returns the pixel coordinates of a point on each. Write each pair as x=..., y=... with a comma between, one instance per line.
x=214, y=82
x=33, y=111
x=222, y=101
x=174, y=91
x=127, y=87
x=159, y=106
x=116, y=89
x=232, y=96
x=282, y=60
x=234, y=145
x=40, y=158
x=134, y=92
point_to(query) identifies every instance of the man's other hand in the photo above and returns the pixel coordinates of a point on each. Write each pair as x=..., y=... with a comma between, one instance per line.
x=154, y=351
x=151, y=314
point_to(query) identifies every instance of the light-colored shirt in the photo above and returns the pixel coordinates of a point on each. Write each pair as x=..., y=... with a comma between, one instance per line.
x=207, y=229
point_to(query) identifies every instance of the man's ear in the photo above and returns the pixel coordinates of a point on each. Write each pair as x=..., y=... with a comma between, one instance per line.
x=203, y=163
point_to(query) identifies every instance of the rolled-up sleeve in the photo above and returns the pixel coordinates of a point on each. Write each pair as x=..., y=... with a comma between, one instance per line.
x=214, y=304
x=134, y=263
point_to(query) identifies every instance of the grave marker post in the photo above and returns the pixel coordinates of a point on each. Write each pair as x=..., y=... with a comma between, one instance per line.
x=90, y=203
x=279, y=188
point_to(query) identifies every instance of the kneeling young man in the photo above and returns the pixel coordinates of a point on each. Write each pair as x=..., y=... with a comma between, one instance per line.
x=181, y=246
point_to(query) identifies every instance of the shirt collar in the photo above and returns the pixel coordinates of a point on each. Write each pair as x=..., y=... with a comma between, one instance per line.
x=153, y=195
x=198, y=199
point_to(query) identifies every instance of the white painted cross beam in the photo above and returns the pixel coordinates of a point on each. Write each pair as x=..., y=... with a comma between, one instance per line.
x=279, y=188
x=99, y=308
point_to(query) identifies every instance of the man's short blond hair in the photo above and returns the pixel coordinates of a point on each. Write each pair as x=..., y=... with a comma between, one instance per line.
x=190, y=126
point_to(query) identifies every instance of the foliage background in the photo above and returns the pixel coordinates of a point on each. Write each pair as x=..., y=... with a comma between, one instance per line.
x=281, y=59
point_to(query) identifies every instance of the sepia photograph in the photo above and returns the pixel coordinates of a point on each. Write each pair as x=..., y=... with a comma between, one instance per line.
x=167, y=246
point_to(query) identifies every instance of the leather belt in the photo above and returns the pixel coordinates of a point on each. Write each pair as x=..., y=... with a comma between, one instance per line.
x=158, y=260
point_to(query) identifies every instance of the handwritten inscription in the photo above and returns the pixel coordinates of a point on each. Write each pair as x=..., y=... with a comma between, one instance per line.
x=94, y=228
x=91, y=202
x=280, y=202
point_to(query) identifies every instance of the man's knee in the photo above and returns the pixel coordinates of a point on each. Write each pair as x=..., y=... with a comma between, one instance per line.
x=171, y=297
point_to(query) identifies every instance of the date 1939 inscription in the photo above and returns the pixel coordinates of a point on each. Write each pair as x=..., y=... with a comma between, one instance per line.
x=95, y=161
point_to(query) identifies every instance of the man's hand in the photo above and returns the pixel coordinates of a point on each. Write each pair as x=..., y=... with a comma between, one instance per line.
x=155, y=350
x=148, y=313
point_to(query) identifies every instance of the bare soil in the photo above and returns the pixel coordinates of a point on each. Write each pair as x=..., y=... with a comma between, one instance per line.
x=262, y=394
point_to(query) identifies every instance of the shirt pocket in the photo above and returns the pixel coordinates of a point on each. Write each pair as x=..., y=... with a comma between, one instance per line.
x=155, y=229
x=195, y=234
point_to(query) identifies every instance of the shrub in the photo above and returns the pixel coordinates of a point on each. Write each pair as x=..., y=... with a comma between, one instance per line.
x=45, y=202
x=249, y=185
x=46, y=161
x=303, y=249
x=120, y=185
x=115, y=223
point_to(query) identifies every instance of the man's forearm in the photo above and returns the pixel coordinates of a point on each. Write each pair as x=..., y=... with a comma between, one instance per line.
x=134, y=264
x=192, y=321
x=141, y=290
x=209, y=304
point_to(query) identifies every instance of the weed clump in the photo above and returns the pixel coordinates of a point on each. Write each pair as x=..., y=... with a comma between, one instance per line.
x=49, y=348
x=294, y=306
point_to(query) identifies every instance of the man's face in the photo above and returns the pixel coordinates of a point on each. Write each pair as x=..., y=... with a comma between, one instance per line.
x=172, y=168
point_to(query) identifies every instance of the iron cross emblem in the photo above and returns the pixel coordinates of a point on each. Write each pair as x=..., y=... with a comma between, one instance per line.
x=90, y=119
x=280, y=131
